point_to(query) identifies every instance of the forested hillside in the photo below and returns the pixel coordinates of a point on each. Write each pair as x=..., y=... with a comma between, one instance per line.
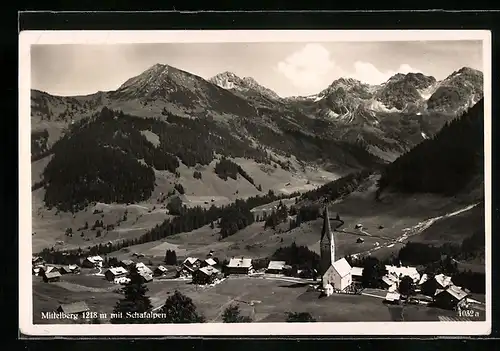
x=444, y=164
x=108, y=158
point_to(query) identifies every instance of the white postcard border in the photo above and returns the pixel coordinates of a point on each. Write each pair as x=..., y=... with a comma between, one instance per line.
x=28, y=38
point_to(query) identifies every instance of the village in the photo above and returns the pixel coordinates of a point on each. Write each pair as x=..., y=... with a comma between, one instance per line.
x=397, y=285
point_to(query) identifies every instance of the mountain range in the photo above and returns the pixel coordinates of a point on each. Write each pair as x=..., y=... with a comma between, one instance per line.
x=347, y=126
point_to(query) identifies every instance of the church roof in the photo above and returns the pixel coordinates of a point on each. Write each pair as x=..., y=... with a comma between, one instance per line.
x=342, y=267
x=327, y=230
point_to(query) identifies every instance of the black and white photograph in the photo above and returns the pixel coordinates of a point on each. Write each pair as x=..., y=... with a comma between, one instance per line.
x=184, y=180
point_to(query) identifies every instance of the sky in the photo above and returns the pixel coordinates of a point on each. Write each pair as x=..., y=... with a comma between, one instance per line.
x=289, y=69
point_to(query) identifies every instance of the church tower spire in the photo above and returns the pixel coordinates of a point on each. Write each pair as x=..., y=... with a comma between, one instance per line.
x=327, y=243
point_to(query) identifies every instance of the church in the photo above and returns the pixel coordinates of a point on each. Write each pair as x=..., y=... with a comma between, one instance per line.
x=334, y=273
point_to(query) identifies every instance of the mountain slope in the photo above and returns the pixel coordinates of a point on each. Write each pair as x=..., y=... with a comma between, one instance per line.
x=444, y=164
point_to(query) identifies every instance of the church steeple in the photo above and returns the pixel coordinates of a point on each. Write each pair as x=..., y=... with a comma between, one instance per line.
x=326, y=232
x=327, y=243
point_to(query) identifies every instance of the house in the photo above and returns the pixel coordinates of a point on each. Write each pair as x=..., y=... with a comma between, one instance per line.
x=37, y=260
x=146, y=277
x=159, y=271
x=192, y=262
x=451, y=298
x=389, y=282
x=357, y=274
x=392, y=297
x=239, y=266
x=74, y=268
x=402, y=271
x=338, y=275
x=423, y=279
x=126, y=263
x=115, y=272
x=205, y=275
x=36, y=271
x=438, y=282
x=275, y=267
x=74, y=308
x=50, y=277
x=65, y=270
x=142, y=268
x=46, y=269
x=208, y=262
x=185, y=271
x=92, y=262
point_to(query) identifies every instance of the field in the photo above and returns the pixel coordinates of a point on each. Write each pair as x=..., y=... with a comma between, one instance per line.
x=387, y=225
x=271, y=297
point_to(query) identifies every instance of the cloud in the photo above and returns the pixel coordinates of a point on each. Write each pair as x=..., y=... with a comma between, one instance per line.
x=306, y=69
x=368, y=73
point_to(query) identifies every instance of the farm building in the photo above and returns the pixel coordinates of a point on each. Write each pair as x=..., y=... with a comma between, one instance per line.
x=192, y=262
x=115, y=272
x=357, y=274
x=159, y=271
x=208, y=262
x=338, y=275
x=142, y=268
x=205, y=275
x=46, y=269
x=92, y=262
x=74, y=308
x=146, y=277
x=438, y=282
x=126, y=263
x=36, y=271
x=451, y=298
x=402, y=271
x=392, y=297
x=185, y=271
x=239, y=266
x=50, y=277
x=275, y=267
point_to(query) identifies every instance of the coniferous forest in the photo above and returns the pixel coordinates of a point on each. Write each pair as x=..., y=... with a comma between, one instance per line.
x=445, y=163
x=107, y=158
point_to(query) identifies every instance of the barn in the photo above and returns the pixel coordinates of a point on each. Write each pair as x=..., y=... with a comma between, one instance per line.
x=432, y=285
x=92, y=262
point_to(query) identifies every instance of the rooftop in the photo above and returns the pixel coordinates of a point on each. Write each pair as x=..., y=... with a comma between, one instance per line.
x=75, y=307
x=276, y=265
x=240, y=262
x=342, y=267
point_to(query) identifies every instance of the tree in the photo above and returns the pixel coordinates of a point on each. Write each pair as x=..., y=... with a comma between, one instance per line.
x=135, y=299
x=373, y=271
x=299, y=317
x=232, y=315
x=171, y=257
x=406, y=286
x=181, y=309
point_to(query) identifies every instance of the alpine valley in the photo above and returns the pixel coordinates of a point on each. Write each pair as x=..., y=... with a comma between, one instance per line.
x=168, y=140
